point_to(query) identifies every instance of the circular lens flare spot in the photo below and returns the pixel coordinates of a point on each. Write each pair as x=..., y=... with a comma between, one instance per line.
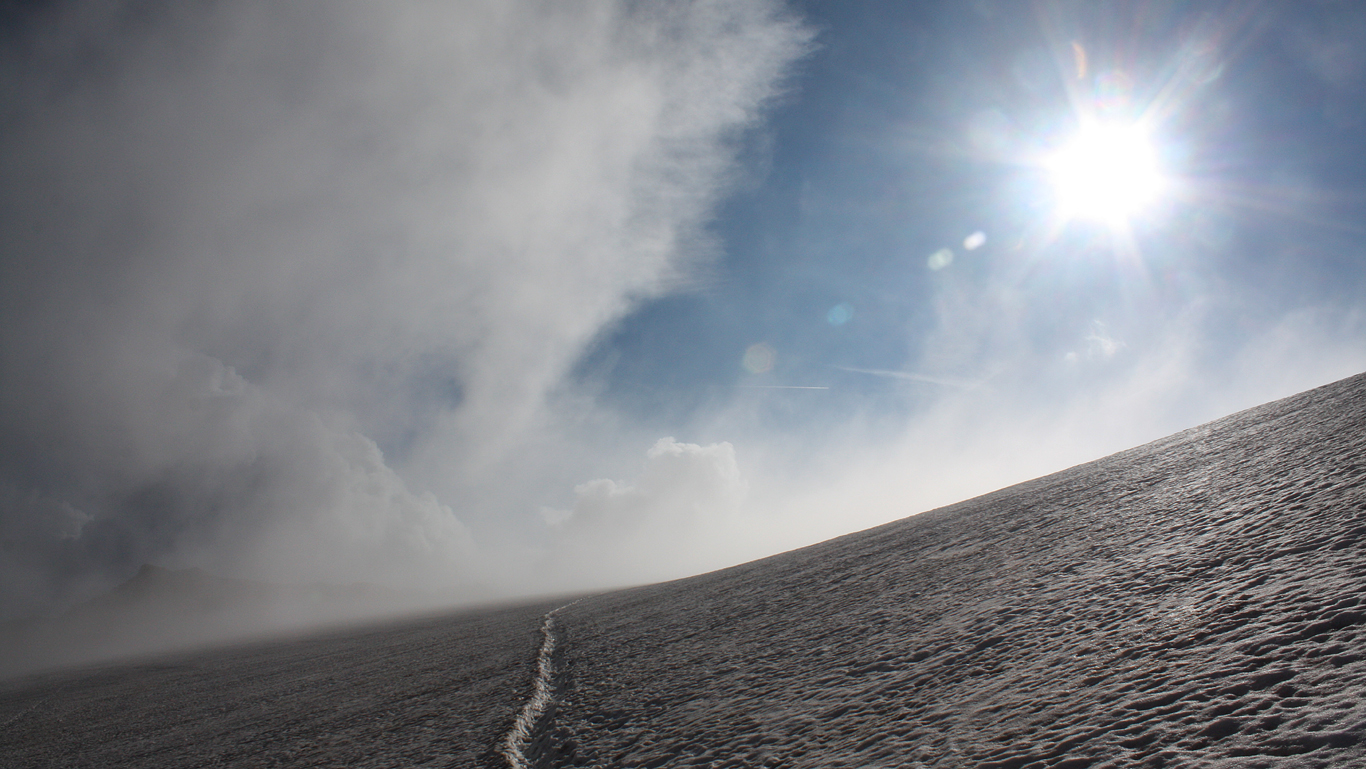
x=840, y=314
x=759, y=358
x=1107, y=172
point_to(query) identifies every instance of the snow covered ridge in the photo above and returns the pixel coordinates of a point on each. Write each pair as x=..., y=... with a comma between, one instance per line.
x=1198, y=601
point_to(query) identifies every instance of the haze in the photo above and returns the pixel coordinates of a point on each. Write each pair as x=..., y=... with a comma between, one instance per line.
x=486, y=299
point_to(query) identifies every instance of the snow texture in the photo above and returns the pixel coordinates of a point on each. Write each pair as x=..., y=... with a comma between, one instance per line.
x=526, y=735
x=1199, y=601
x=434, y=693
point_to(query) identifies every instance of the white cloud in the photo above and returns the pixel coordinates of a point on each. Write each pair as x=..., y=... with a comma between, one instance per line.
x=685, y=513
x=257, y=244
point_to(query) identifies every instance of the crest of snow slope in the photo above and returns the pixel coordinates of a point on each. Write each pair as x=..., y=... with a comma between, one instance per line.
x=1197, y=601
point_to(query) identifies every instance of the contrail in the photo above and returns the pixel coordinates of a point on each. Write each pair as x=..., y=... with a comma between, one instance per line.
x=914, y=377
x=781, y=387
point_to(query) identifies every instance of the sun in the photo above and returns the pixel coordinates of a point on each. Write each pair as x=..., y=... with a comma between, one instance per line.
x=1106, y=172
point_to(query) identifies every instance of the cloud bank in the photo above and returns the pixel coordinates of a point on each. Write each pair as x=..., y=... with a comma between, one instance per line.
x=259, y=257
x=685, y=513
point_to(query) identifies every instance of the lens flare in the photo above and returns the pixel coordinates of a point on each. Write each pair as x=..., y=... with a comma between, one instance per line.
x=840, y=314
x=759, y=358
x=1107, y=172
x=939, y=259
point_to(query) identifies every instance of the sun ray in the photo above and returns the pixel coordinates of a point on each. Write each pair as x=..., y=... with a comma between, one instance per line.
x=1107, y=172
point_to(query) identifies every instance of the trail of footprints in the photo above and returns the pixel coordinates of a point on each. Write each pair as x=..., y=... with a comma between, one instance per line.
x=524, y=745
x=1196, y=602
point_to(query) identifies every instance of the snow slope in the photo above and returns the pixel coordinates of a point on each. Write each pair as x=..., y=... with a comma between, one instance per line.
x=432, y=693
x=1199, y=601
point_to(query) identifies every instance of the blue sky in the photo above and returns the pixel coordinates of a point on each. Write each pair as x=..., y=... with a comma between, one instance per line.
x=869, y=167
x=505, y=297
x=916, y=130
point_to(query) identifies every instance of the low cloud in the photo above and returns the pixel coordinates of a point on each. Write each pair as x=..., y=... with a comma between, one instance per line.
x=284, y=288
x=198, y=466
x=683, y=514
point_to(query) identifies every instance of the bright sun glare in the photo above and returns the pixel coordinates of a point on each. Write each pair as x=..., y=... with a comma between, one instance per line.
x=1107, y=172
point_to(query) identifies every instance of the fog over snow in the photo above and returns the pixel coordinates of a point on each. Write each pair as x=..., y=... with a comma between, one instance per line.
x=492, y=298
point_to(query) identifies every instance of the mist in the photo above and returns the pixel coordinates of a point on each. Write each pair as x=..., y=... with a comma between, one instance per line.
x=352, y=293
x=261, y=256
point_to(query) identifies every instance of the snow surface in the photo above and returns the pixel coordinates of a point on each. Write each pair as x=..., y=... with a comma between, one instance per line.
x=434, y=693
x=530, y=721
x=1195, y=602
x=1198, y=601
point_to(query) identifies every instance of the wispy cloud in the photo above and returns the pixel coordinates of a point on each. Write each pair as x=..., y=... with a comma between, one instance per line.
x=284, y=287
